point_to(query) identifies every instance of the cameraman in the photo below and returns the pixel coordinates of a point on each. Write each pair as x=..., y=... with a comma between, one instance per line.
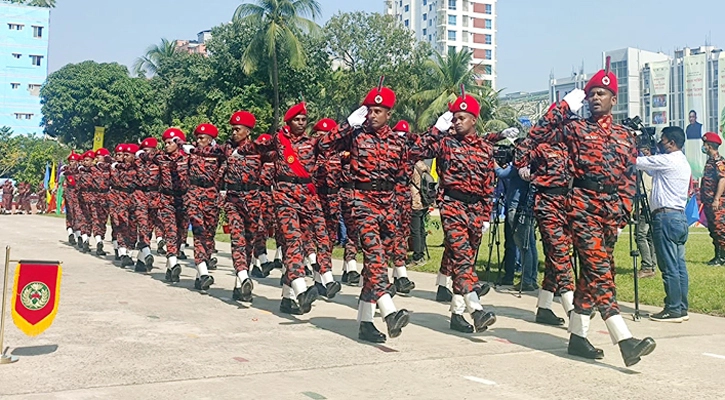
x=670, y=173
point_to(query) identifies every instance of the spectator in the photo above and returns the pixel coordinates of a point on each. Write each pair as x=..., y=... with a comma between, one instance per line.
x=420, y=211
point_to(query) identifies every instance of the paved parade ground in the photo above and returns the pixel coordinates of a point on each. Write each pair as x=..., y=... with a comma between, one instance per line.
x=123, y=335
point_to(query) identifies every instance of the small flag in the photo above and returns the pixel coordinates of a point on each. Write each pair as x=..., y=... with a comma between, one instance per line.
x=433, y=170
x=36, y=293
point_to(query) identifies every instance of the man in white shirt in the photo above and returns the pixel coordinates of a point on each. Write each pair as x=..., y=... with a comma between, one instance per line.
x=670, y=173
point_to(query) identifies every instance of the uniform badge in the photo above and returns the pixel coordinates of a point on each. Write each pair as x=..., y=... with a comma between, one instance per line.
x=464, y=106
x=378, y=99
x=606, y=80
x=290, y=159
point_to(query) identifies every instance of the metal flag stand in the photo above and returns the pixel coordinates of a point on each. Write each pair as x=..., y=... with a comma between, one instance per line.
x=4, y=358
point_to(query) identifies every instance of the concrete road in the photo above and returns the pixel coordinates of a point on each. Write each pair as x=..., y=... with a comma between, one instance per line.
x=123, y=335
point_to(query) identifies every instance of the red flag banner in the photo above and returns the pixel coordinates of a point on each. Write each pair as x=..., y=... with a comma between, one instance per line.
x=35, y=295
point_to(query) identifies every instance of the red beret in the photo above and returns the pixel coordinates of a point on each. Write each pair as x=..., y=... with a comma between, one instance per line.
x=207, y=129
x=244, y=118
x=174, y=133
x=383, y=98
x=119, y=148
x=89, y=154
x=605, y=78
x=73, y=156
x=102, y=152
x=325, y=125
x=467, y=104
x=150, y=143
x=712, y=137
x=402, y=126
x=132, y=148
x=295, y=110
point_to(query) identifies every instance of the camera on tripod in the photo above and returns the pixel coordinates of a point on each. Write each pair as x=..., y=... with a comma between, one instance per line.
x=645, y=135
x=503, y=154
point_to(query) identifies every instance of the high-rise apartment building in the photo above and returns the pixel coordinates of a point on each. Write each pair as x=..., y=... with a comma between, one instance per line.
x=453, y=24
x=23, y=65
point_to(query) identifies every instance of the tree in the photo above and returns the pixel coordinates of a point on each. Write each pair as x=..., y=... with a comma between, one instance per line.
x=155, y=55
x=9, y=152
x=279, y=25
x=35, y=3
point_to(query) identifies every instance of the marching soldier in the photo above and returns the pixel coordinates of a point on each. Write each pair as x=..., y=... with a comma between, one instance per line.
x=101, y=176
x=147, y=176
x=87, y=191
x=711, y=190
x=24, y=198
x=377, y=160
x=8, y=192
x=42, y=194
x=267, y=224
x=404, y=200
x=599, y=204
x=122, y=180
x=70, y=195
x=350, y=275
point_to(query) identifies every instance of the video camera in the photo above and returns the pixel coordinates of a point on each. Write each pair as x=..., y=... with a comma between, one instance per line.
x=645, y=135
x=503, y=154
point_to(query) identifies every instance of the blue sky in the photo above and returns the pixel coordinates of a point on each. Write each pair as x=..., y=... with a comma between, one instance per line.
x=535, y=37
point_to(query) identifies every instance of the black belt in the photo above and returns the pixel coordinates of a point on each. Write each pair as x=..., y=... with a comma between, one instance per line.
x=294, y=179
x=202, y=184
x=175, y=193
x=327, y=190
x=595, y=186
x=665, y=210
x=123, y=189
x=149, y=189
x=347, y=185
x=463, y=197
x=552, y=190
x=376, y=185
x=244, y=187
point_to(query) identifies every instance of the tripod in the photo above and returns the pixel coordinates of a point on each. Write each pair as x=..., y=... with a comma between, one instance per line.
x=641, y=209
x=523, y=231
x=494, y=235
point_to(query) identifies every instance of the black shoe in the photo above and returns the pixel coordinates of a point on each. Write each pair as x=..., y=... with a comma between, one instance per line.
x=256, y=273
x=332, y=289
x=99, y=250
x=459, y=323
x=173, y=275
x=305, y=300
x=244, y=293
x=666, y=316
x=308, y=272
x=267, y=268
x=369, y=333
x=203, y=283
x=149, y=261
x=685, y=317
x=277, y=264
x=182, y=256
x=503, y=282
x=444, y=295
x=632, y=349
x=482, y=289
x=126, y=261
x=581, y=347
x=288, y=306
x=86, y=248
x=212, y=263
x=80, y=244
x=403, y=285
x=391, y=290
x=547, y=317
x=482, y=320
x=351, y=278
x=160, y=248
x=72, y=239
x=396, y=322
x=140, y=266
x=215, y=251
x=116, y=257
x=321, y=289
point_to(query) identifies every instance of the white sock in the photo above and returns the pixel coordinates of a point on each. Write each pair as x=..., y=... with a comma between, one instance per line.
x=473, y=303
x=182, y=247
x=579, y=324
x=122, y=251
x=278, y=254
x=288, y=293
x=98, y=239
x=172, y=261
x=352, y=266
x=146, y=251
x=617, y=328
x=386, y=305
x=159, y=239
x=400, y=272
x=77, y=233
x=316, y=276
x=567, y=301
x=327, y=278
x=458, y=304
x=201, y=269
x=70, y=231
x=313, y=258
x=299, y=286
x=115, y=244
x=365, y=311
x=262, y=259
x=443, y=280
x=84, y=237
x=241, y=276
x=546, y=298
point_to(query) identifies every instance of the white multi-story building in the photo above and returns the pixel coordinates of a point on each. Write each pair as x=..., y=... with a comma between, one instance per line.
x=453, y=24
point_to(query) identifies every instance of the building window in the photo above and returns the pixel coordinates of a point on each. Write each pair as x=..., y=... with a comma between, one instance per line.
x=465, y=21
x=425, y=31
x=406, y=8
x=489, y=54
x=488, y=39
x=34, y=89
x=35, y=60
x=37, y=31
x=486, y=69
x=451, y=4
x=464, y=37
x=451, y=49
x=17, y=55
x=406, y=23
x=425, y=2
x=15, y=27
x=430, y=38
x=28, y=116
x=15, y=85
x=452, y=35
x=488, y=9
x=452, y=20
x=425, y=16
x=430, y=22
x=488, y=23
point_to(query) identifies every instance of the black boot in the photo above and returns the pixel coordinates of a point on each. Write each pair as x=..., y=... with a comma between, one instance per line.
x=482, y=289
x=547, y=317
x=182, y=256
x=305, y=300
x=721, y=258
x=267, y=268
x=86, y=248
x=403, y=285
x=351, y=278
x=444, y=295
x=581, y=347
x=482, y=320
x=396, y=322
x=244, y=293
x=149, y=262
x=308, y=271
x=288, y=306
x=99, y=250
x=256, y=273
x=632, y=349
x=212, y=263
x=332, y=289
x=203, y=283
x=369, y=333
x=160, y=248
x=459, y=323
x=72, y=239
x=173, y=275
x=277, y=263
x=126, y=261
x=116, y=257
x=80, y=244
x=717, y=256
x=140, y=266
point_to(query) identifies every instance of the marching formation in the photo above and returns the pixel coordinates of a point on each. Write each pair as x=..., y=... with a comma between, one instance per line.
x=295, y=186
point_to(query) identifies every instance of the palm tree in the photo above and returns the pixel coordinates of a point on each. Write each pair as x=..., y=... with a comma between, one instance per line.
x=36, y=3
x=155, y=54
x=279, y=24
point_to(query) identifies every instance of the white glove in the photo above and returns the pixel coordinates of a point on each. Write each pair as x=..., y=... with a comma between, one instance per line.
x=213, y=142
x=358, y=117
x=525, y=174
x=235, y=154
x=575, y=99
x=619, y=231
x=223, y=194
x=138, y=153
x=510, y=133
x=187, y=148
x=444, y=121
x=113, y=166
x=486, y=227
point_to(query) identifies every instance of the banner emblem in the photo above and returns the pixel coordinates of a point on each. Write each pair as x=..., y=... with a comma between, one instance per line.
x=35, y=296
x=36, y=293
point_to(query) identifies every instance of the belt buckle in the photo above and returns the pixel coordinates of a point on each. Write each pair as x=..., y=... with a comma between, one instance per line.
x=374, y=185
